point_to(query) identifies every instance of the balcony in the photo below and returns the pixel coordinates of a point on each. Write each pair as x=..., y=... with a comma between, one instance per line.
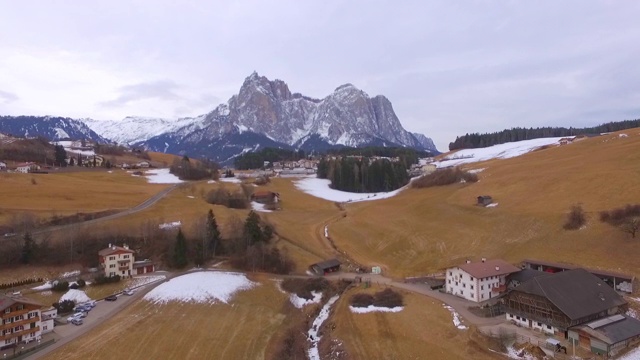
x=499, y=289
x=123, y=267
x=20, y=333
x=19, y=322
x=15, y=313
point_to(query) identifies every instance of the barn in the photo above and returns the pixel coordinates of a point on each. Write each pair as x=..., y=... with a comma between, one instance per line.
x=484, y=200
x=325, y=267
x=143, y=267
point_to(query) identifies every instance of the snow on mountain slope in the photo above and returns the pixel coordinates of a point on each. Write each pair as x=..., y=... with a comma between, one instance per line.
x=135, y=129
x=501, y=151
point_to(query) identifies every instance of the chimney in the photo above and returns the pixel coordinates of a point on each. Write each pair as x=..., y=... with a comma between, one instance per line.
x=484, y=259
x=109, y=245
x=468, y=261
x=126, y=246
x=497, y=268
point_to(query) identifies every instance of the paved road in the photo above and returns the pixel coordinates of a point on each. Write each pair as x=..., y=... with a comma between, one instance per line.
x=143, y=206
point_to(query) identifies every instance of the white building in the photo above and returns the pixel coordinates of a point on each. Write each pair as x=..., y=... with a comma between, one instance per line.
x=3, y=166
x=479, y=281
x=47, y=317
x=27, y=167
x=20, y=320
x=116, y=260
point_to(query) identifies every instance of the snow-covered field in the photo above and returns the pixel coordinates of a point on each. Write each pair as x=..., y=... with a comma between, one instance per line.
x=631, y=355
x=144, y=280
x=456, y=318
x=70, y=274
x=371, y=308
x=500, y=151
x=313, y=353
x=259, y=207
x=200, y=287
x=171, y=225
x=77, y=296
x=68, y=145
x=46, y=286
x=320, y=188
x=161, y=176
x=302, y=302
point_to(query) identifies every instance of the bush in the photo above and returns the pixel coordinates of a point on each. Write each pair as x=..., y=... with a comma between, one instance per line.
x=304, y=287
x=575, y=219
x=444, y=177
x=619, y=215
x=385, y=298
x=235, y=200
x=261, y=258
x=99, y=280
x=81, y=283
x=262, y=180
x=20, y=283
x=60, y=285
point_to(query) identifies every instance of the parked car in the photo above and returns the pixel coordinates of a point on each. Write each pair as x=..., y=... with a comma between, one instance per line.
x=111, y=298
x=74, y=316
x=76, y=321
x=80, y=308
x=81, y=314
x=90, y=304
x=128, y=292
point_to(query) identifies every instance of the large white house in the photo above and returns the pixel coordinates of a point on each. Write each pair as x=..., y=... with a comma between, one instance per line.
x=479, y=281
x=27, y=167
x=47, y=317
x=116, y=260
x=20, y=320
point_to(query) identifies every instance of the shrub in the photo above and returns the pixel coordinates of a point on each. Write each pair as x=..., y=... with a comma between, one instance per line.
x=575, y=219
x=65, y=306
x=99, y=280
x=81, y=283
x=362, y=300
x=235, y=200
x=60, y=285
x=444, y=177
x=619, y=215
x=262, y=180
x=304, y=287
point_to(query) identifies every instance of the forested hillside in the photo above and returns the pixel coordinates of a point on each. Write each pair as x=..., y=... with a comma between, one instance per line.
x=477, y=140
x=363, y=174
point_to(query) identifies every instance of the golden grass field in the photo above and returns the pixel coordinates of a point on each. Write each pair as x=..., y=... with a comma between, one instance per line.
x=238, y=330
x=422, y=330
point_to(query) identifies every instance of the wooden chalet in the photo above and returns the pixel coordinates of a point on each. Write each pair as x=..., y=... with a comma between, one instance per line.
x=19, y=321
x=555, y=302
x=484, y=200
x=325, y=267
x=265, y=197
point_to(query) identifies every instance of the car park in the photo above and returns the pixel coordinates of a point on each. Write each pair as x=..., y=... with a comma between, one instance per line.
x=111, y=298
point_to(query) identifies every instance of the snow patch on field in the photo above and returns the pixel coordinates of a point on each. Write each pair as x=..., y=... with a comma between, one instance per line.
x=371, y=308
x=456, y=318
x=632, y=355
x=259, y=207
x=492, y=205
x=475, y=171
x=46, y=286
x=77, y=296
x=326, y=231
x=500, y=151
x=207, y=287
x=320, y=188
x=314, y=353
x=70, y=274
x=211, y=182
x=299, y=302
x=144, y=280
x=171, y=225
x=233, y=180
x=161, y=176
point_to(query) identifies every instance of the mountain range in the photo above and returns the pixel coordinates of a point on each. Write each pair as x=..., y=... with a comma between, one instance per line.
x=264, y=113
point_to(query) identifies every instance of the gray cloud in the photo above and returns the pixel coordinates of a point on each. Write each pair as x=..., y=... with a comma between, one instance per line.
x=7, y=97
x=159, y=90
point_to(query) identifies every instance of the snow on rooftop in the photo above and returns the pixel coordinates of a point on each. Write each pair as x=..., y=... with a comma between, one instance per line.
x=207, y=287
x=320, y=188
x=259, y=207
x=161, y=176
x=500, y=151
x=77, y=296
x=371, y=308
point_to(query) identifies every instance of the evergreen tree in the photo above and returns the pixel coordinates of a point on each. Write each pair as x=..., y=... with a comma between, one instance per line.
x=198, y=257
x=252, y=232
x=60, y=155
x=212, y=236
x=79, y=162
x=28, y=249
x=72, y=161
x=180, y=251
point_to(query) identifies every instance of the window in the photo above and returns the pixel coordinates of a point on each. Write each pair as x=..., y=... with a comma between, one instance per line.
x=549, y=327
x=471, y=278
x=33, y=325
x=464, y=285
x=44, y=327
x=456, y=283
x=112, y=266
x=126, y=256
x=482, y=296
x=20, y=307
x=540, y=324
x=449, y=281
x=112, y=257
x=518, y=317
x=7, y=311
x=471, y=294
x=450, y=273
x=481, y=287
x=471, y=287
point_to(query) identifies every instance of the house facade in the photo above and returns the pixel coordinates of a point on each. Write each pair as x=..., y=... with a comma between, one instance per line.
x=47, y=318
x=20, y=321
x=116, y=260
x=27, y=167
x=556, y=302
x=143, y=267
x=479, y=281
x=3, y=166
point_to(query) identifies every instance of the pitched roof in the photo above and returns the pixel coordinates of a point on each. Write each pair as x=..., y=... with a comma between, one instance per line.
x=488, y=268
x=613, y=329
x=527, y=274
x=327, y=264
x=7, y=301
x=114, y=249
x=577, y=293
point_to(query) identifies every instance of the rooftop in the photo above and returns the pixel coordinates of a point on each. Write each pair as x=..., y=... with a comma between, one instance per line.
x=483, y=269
x=613, y=329
x=112, y=249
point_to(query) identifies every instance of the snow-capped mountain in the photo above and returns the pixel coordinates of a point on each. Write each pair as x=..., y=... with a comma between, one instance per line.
x=136, y=129
x=50, y=127
x=266, y=113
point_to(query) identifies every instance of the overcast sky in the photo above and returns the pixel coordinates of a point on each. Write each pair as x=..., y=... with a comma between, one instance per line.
x=448, y=67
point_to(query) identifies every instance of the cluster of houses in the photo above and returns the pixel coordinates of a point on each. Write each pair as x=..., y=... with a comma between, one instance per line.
x=580, y=305
x=139, y=165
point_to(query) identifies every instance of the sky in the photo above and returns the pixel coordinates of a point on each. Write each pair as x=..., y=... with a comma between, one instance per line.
x=448, y=67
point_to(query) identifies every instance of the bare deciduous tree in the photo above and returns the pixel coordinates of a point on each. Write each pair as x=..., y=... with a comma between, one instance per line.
x=631, y=226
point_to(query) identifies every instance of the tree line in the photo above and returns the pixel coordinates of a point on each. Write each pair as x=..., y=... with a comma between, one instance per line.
x=186, y=170
x=477, y=140
x=255, y=160
x=363, y=174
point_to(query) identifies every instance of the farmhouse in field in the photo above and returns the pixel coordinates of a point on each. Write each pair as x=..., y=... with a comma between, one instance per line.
x=27, y=167
x=484, y=200
x=479, y=281
x=554, y=303
x=21, y=321
x=265, y=197
x=116, y=260
x=325, y=267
